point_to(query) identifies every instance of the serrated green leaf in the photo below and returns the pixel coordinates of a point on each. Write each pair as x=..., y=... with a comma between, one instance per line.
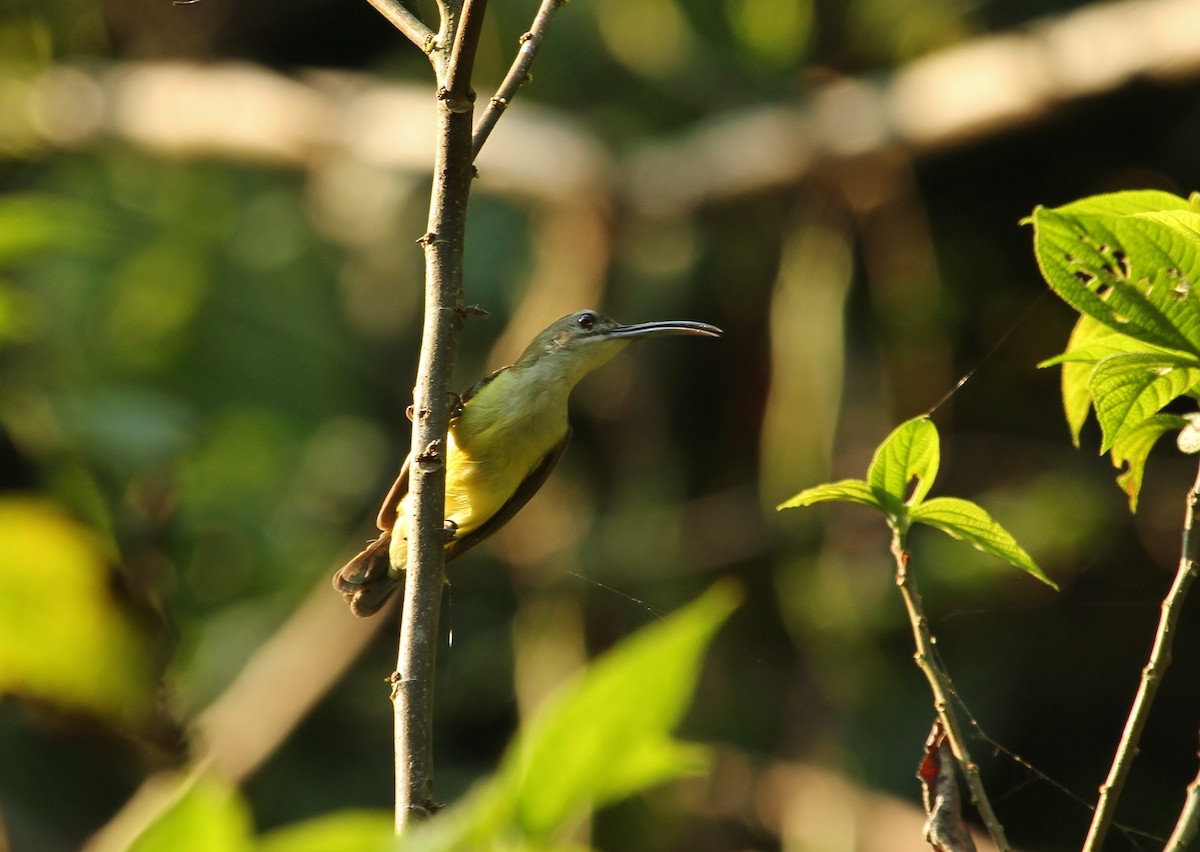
x=1127, y=389
x=909, y=453
x=966, y=521
x=1126, y=203
x=847, y=491
x=1129, y=260
x=1133, y=447
x=1185, y=223
x=1164, y=262
x=1088, y=334
x=1091, y=342
x=1092, y=269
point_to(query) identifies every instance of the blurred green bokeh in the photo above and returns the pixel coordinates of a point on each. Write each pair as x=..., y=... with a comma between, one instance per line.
x=205, y=361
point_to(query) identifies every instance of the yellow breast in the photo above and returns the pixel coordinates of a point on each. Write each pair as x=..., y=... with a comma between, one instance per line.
x=502, y=434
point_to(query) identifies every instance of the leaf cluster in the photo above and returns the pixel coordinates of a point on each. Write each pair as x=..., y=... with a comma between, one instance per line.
x=898, y=481
x=1128, y=262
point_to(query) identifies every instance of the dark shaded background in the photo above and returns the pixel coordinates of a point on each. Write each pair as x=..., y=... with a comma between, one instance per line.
x=215, y=379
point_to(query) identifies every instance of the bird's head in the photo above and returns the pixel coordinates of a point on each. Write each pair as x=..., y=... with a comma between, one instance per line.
x=580, y=342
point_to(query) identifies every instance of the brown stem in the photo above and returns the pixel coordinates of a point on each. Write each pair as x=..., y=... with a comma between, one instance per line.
x=1160, y=658
x=939, y=684
x=405, y=21
x=412, y=687
x=518, y=74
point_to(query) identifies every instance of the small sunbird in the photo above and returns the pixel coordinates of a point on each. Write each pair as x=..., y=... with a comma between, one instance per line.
x=506, y=434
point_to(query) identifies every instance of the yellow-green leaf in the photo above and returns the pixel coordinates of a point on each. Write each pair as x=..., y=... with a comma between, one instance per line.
x=847, y=491
x=906, y=464
x=1133, y=447
x=1127, y=389
x=64, y=638
x=966, y=521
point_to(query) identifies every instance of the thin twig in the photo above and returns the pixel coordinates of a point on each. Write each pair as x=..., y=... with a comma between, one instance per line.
x=462, y=54
x=517, y=75
x=1160, y=658
x=1188, y=827
x=412, y=684
x=939, y=683
x=408, y=23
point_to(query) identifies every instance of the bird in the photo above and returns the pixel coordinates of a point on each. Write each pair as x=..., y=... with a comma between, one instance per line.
x=506, y=434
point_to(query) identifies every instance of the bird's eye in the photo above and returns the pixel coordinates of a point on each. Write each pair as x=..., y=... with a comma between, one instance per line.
x=586, y=320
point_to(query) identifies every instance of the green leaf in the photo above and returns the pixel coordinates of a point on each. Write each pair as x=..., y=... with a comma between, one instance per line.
x=965, y=521
x=362, y=831
x=603, y=737
x=1126, y=203
x=208, y=814
x=1129, y=267
x=909, y=453
x=1089, y=335
x=1127, y=389
x=580, y=746
x=908, y=457
x=846, y=491
x=1133, y=447
x=1091, y=342
x=64, y=637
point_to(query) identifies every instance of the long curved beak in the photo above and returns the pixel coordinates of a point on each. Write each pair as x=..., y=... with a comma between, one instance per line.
x=645, y=329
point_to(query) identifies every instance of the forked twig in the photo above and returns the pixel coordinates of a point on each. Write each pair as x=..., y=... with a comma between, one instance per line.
x=517, y=75
x=405, y=21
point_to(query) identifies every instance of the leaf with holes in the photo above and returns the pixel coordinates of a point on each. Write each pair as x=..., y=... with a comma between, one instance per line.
x=1129, y=260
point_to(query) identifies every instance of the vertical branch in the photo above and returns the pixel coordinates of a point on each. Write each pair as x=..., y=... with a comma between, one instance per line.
x=412, y=687
x=939, y=684
x=1160, y=658
x=451, y=51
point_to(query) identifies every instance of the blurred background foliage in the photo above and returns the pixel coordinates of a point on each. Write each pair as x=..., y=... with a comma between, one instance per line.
x=206, y=350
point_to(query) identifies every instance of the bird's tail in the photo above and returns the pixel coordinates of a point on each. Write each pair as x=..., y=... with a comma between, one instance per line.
x=366, y=581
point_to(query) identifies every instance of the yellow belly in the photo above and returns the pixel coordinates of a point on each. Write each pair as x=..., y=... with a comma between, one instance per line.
x=487, y=460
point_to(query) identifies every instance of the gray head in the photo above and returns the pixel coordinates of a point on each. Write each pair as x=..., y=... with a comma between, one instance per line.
x=580, y=342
